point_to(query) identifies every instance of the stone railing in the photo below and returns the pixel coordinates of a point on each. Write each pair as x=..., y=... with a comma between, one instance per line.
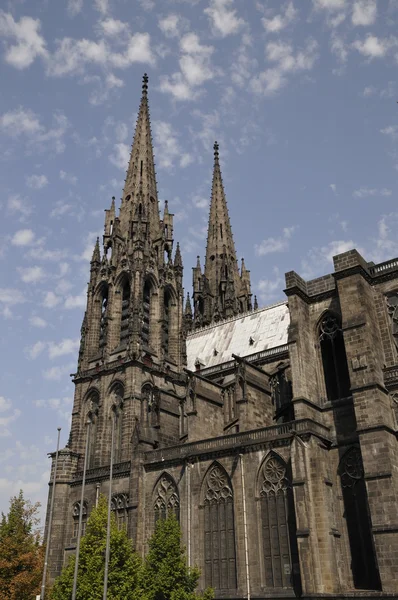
x=103, y=472
x=237, y=440
x=250, y=358
x=390, y=265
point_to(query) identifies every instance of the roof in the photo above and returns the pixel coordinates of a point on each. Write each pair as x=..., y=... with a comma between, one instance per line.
x=214, y=345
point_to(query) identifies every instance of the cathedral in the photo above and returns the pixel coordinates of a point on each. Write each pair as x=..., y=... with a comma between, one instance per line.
x=270, y=433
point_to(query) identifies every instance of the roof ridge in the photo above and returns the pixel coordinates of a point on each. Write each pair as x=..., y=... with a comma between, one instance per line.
x=235, y=318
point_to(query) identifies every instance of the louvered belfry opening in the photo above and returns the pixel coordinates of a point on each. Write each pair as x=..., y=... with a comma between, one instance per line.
x=219, y=525
x=279, y=541
x=146, y=314
x=124, y=321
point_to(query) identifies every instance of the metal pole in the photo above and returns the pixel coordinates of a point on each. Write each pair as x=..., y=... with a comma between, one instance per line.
x=50, y=521
x=79, y=531
x=108, y=527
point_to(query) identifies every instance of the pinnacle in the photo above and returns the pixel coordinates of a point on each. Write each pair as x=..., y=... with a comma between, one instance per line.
x=96, y=253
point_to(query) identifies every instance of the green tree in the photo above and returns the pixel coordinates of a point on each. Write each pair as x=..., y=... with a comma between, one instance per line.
x=124, y=563
x=165, y=574
x=21, y=551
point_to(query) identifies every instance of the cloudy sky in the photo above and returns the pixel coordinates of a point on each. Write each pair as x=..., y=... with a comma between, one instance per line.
x=301, y=96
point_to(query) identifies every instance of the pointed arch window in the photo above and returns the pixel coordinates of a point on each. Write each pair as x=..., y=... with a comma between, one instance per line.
x=119, y=506
x=219, y=526
x=103, y=318
x=356, y=511
x=146, y=314
x=166, y=321
x=76, y=515
x=278, y=526
x=124, y=320
x=166, y=499
x=93, y=414
x=117, y=396
x=334, y=358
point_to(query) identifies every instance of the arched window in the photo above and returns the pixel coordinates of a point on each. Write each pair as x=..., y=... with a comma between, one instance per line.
x=146, y=314
x=166, y=321
x=117, y=396
x=356, y=511
x=119, y=505
x=124, y=320
x=166, y=499
x=278, y=525
x=76, y=515
x=103, y=318
x=93, y=410
x=334, y=358
x=219, y=526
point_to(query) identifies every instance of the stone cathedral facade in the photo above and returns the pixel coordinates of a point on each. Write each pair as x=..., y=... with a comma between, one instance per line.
x=271, y=433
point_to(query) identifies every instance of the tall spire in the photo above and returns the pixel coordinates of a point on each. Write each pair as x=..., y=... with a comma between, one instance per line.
x=140, y=195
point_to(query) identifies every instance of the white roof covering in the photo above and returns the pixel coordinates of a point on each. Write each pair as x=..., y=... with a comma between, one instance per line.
x=268, y=328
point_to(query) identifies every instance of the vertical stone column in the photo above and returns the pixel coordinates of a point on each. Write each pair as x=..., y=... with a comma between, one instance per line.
x=373, y=411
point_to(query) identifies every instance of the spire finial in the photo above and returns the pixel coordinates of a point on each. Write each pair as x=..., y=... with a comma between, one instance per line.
x=96, y=253
x=145, y=84
x=216, y=148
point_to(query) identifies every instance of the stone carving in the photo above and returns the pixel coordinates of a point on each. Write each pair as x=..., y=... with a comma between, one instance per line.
x=392, y=306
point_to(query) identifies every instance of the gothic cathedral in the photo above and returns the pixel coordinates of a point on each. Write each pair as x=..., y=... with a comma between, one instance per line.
x=271, y=433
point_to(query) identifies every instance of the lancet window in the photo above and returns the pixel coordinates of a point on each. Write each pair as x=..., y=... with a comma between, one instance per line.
x=219, y=529
x=124, y=320
x=119, y=505
x=76, y=515
x=117, y=395
x=334, y=358
x=278, y=526
x=166, y=499
x=103, y=318
x=356, y=511
x=166, y=321
x=92, y=416
x=146, y=314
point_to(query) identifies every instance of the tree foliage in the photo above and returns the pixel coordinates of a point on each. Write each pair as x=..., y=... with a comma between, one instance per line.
x=164, y=574
x=21, y=551
x=124, y=563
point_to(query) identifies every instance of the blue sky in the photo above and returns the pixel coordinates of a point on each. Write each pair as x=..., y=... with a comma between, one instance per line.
x=301, y=96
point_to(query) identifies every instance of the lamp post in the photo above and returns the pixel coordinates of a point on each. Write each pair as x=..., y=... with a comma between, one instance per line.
x=114, y=416
x=50, y=521
x=79, y=531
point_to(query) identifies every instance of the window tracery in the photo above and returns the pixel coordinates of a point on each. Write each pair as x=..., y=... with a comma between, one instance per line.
x=76, y=515
x=334, y=358
x=119, y=505
x=166, y=499
x=279, y=542
x=220, y=554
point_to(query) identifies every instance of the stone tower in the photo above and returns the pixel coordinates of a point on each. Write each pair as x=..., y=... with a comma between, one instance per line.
x=221, y=291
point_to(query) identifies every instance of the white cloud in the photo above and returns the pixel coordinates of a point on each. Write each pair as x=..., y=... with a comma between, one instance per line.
x=172, y=25
x=72, y=179
x=391, y=131
x=272, y=245
x=32, y=274
x=223, y=18
x=333, y=187
x=36, y=182
x=28, y=42
x=196, y=69
x=339, y=47
x=65, y=346
x=186, y=159
x=34, y=351
x=364, y=192
x=281, y=21
x=320, y=259
x=23, y=237
x=74, y=7
x=121, y=155
x=4, y=404
x=79, y=301
x=269, y=289
x=36, y=321
x=58, y=372
x=10, y=297
x=168, y=147
x=102, y=6
x=329, y=5
x=374, y=47
x=386, y=245
x=51, y=300
x=62, y=406
x=111, y=27
x=200, y=202
x=284, y=61
x=364, y=12
x=5, y=421
x=15, y=204
x=21, y=121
